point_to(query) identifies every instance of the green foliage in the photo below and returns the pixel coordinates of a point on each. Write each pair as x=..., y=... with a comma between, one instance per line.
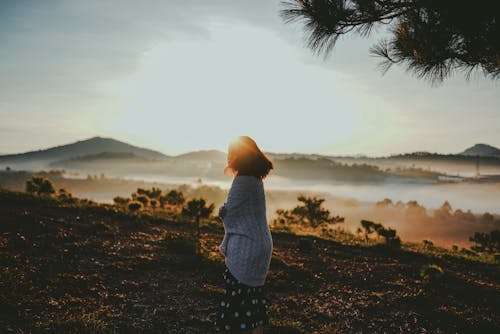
x=308, y=214
x=486, y=242
x=40, y=186
x=432, y=38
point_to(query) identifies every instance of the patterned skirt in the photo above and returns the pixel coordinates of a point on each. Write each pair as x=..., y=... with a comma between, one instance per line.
x=242, y=307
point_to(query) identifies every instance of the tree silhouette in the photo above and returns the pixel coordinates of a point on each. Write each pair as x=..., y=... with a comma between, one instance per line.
x=40, y=186
x=308, y=214
x=175, y=198
x=120, y=201
x=151, y=193
x=197, y=209
x=444, y=212
x=389, y=234
x=432, y=38
x=369, y=228
x=486, y=242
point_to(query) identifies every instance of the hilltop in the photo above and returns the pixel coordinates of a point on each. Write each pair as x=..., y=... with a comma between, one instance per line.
x=92, y=146
x=95, y=269
x=482, y=150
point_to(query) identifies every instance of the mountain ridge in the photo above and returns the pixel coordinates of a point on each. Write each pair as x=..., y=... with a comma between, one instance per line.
x=97, y=146
x=94, y=145
x=482, y=150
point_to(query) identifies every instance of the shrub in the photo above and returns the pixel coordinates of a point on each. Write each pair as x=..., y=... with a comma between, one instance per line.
x=308, y=214
x=66, y=197
x=468, y=252
x=40, y=186
x=153, y=203
x=143, y=199
x=389, y=234
x=431, y=273
x=368, y=228
x=427, y=243
x=486, y=242
x=150, y=193
x=120, y=201
x=174, y=198
x=134, y=206
x=197, y=209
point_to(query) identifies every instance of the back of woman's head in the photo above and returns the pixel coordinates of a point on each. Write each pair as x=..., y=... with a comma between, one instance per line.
x=245, y=158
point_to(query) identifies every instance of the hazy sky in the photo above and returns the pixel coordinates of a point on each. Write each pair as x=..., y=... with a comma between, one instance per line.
x=193, y=74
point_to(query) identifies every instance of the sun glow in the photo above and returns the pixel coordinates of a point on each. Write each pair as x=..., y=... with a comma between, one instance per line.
x=242, y=80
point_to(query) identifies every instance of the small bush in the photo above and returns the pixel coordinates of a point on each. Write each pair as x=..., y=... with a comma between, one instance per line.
x=486, y=242
x=468, y=252
x=143, y=199
x=120, y=201
x=40, y=186
x=427, y=243
x=431, y=273
x=134, y=206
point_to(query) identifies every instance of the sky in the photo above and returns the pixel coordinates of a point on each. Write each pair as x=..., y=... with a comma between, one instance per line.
x=184, y=75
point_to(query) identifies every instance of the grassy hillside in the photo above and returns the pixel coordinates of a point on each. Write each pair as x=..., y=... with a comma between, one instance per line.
x=95, y=269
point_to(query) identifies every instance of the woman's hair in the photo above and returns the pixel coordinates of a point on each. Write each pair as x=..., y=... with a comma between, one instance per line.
x=245, y=158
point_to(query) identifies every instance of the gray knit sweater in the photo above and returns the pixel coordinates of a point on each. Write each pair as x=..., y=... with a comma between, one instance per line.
x=247, y=244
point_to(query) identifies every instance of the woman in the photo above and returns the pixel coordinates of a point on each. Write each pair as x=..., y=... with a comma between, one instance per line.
x=247, y=244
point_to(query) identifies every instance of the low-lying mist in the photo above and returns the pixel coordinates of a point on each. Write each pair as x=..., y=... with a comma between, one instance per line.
x=414, y=209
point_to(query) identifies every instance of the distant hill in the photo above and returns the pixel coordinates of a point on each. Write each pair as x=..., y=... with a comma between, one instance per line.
x=482, y=150
x=113, y=157
x=104, y=156
x=202, y=156
x=92, y=146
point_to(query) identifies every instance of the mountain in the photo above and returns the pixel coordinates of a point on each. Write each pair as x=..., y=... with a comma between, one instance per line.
x=482, y=150
x=92, y=146
x=202, y=156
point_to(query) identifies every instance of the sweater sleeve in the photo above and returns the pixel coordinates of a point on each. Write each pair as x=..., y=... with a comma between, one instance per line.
x=236, y=198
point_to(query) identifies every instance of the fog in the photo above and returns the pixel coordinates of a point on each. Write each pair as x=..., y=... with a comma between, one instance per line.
x=414, y=221
x=355, y=198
